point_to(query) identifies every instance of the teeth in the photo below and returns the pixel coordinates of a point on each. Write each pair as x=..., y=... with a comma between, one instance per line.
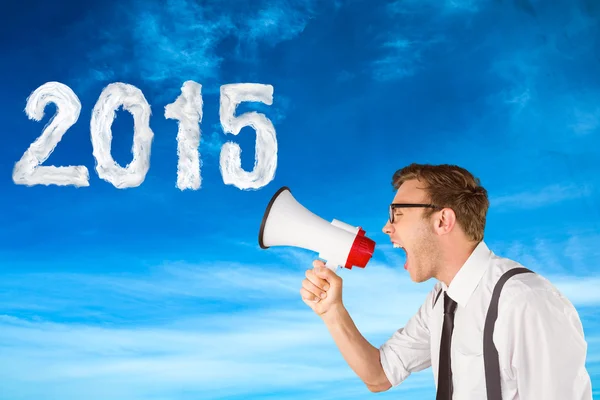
x=396, y=245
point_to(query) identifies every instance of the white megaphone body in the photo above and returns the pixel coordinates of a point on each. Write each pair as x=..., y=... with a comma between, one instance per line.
x=287, y=223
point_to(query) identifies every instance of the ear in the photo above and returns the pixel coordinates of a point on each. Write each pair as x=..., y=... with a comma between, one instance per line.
x=444, y=221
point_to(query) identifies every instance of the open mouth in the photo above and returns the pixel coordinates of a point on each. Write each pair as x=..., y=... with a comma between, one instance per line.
x=398, y=246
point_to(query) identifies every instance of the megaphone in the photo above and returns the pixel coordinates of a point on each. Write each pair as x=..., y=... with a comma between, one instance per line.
x=287, y=223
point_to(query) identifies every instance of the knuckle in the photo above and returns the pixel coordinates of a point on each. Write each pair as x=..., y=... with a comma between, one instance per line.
x=306, y=295
x=315, y=290
x=309, y=287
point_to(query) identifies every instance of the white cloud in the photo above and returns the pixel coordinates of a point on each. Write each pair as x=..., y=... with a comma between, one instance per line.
x=167, y=43
x=569, y=264
x=581, y=292
x=541, y=68
x=273, y=341
x=403, y=7
x=568, y=260
x=586, y=122
x=541, y=197
x=395, y=66
x=407, y=43
x=402, y=55
x=216, y=329
x=276, y=22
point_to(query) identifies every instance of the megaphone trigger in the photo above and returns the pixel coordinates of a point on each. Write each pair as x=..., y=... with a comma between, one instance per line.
x=287, y=223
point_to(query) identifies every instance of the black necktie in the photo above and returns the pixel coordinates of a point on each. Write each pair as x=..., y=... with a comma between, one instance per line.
x=444, y=390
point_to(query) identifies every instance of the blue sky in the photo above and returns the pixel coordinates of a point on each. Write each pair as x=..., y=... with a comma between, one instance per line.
x=153, y=292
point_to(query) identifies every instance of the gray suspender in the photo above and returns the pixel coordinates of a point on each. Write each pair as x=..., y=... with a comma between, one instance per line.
x=490, y=353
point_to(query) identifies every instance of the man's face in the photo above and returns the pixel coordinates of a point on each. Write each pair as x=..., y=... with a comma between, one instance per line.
x=414, y=233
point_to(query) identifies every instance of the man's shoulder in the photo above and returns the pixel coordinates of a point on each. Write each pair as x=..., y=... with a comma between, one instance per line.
x=523, y=287
x=522, y=282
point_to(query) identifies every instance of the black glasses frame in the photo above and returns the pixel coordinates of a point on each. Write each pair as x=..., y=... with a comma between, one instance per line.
x=393, y=206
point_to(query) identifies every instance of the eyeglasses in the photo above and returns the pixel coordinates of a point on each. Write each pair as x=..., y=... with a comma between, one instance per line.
x=393, y=206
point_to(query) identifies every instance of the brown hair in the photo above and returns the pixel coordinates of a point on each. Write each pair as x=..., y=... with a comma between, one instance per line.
x=453, y=187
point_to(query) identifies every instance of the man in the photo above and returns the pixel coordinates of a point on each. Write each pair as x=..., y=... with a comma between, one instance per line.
x=438, y=217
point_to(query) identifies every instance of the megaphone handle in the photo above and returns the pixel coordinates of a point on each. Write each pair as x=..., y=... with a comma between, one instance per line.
x=332, y=266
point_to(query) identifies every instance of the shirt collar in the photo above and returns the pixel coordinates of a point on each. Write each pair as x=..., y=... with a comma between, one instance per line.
x=468, y=276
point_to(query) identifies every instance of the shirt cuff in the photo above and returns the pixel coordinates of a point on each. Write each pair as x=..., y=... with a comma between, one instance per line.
x=392, y=365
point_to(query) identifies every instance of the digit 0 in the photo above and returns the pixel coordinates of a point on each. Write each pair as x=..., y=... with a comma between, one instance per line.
x=132, y=99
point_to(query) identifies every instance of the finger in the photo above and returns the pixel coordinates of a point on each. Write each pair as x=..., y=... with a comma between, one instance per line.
x=308, y=296
x=327, y=275
x=318, y=282
x=314, y=290
x=318, y=263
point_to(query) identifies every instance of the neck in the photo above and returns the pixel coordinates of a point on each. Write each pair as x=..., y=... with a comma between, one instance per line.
x=453, y=258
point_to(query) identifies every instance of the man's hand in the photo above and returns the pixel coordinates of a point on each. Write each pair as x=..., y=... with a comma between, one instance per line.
x=322, y=289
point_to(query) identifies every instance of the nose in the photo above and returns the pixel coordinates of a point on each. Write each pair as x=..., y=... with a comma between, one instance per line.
x=388, y=229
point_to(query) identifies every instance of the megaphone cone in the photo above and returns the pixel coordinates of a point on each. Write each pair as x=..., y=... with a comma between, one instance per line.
x=287, y=223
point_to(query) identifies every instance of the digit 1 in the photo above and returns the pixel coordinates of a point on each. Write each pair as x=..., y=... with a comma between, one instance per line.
x=187, y=110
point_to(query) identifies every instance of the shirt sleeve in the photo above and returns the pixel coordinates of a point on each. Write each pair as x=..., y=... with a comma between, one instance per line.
x=408, y=350
x=544, y=347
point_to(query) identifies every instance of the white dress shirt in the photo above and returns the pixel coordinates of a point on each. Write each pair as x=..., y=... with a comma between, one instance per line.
x=538, y=335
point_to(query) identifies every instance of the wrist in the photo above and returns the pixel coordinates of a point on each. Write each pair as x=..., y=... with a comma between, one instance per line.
x=334, y=313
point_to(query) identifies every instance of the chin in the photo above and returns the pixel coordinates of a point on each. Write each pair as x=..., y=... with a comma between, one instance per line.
x=418, y=278
x=413, y=277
